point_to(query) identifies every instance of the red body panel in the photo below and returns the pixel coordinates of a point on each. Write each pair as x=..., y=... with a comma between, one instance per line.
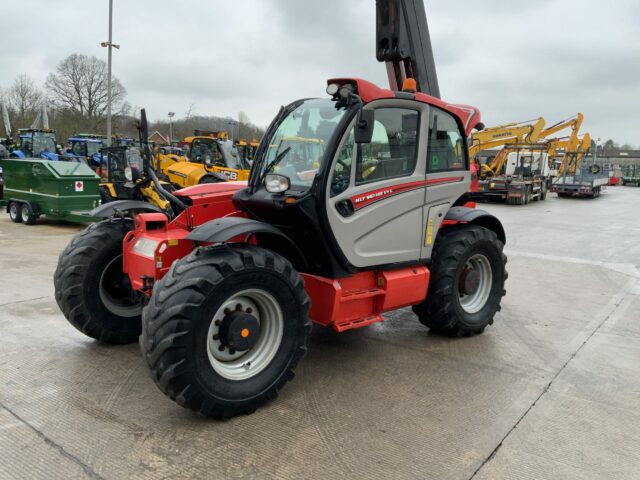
x=468, y=115
x=359, y=300
x=208, y=202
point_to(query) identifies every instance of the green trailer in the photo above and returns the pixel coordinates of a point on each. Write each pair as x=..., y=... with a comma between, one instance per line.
x=631, y=175
x=58, y=189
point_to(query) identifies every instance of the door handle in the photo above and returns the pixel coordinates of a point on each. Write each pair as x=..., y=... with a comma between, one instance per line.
x=345, y=208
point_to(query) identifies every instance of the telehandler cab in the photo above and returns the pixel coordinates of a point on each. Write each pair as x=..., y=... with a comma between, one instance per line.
x=231, y=284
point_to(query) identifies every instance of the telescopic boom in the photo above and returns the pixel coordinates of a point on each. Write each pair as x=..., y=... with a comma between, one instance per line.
x=404, y=44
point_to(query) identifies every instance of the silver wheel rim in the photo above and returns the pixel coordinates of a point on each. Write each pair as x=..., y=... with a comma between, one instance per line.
x=13, y=210
x=474, y=302
x=243, y=365
x=24, y=214
x=117, y=306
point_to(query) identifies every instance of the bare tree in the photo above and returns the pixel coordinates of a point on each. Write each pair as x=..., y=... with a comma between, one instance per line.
x=24, y=99
x=79, y=85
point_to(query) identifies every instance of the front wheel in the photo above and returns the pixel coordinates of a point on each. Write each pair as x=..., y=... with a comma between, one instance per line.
x=92, y=291
x=467, y=282
x=225, y=329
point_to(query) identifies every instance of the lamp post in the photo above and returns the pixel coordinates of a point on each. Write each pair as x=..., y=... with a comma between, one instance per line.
x=110, y=45
x=232, y=123
x=170, y=115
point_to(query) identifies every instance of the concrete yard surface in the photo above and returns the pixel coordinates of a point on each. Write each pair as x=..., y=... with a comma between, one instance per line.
x=550, y=391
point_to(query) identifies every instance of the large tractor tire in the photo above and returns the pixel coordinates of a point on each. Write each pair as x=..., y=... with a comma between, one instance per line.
x=225, y=329
x=467, y=281
x=91, y=289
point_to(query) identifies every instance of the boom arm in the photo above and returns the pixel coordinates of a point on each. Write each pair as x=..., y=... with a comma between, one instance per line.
x=404, y=44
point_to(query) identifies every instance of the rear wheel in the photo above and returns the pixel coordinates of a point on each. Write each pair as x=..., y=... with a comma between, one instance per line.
x=468, y=275
x=543, y=191
x=91, y=289
x=27, y=214
x=225, y=329
x=14, y=212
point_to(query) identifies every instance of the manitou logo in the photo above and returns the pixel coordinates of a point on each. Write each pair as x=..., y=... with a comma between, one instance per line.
x=79, y=186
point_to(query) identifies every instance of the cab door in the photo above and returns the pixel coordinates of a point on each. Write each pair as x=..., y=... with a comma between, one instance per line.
x=376, y=191
x=447, y=173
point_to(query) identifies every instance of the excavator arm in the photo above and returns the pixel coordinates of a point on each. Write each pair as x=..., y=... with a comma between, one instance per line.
x=573, y=155
x=512, y=133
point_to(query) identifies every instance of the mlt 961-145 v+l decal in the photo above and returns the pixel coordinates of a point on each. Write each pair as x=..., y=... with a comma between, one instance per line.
x=363, y=200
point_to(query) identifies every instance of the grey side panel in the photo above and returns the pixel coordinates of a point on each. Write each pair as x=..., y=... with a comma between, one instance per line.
x=435, y=215
x=119, y=206
x=389, y=230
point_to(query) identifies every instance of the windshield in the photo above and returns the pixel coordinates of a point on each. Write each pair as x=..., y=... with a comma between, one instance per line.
x=231, y=156
x=38, y=142
x=297, y=146
x=93, y=147
x=204, y=150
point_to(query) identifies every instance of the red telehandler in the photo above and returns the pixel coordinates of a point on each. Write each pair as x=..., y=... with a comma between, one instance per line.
x=223, y=290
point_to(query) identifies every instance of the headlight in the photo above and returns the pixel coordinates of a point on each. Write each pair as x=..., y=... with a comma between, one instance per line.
x=332, y=89
x=275, y=183
x=128, y=174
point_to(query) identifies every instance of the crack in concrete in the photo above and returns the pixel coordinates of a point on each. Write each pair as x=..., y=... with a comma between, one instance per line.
x=617, y=302
x=91, y=473
x=24, y=301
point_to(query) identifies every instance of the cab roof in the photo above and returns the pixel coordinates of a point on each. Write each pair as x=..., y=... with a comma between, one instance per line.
x=469, y=116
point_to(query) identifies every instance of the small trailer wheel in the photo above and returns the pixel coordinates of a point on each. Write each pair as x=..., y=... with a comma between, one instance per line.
x=27, y=214
x=15, y=213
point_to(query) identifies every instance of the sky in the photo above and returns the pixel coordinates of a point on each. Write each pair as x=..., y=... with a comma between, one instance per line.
x=515, y=60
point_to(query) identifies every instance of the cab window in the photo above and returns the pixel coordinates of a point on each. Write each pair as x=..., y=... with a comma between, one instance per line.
x=446, y=149
x=392, y=151
x=341, y=177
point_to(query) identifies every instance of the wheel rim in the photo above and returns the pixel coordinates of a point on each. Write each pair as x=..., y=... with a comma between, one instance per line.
x=24, y=213
x=13, y=210
x=114, y=293
x=474, y=286
x=241, y=365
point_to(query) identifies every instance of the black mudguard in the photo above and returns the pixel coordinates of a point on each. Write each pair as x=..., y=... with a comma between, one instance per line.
x=119, y=206
x=477, y=217
x=227, y=228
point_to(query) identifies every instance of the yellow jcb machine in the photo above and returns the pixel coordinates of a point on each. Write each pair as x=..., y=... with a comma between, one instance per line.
x=211, y=158
x=247, y=149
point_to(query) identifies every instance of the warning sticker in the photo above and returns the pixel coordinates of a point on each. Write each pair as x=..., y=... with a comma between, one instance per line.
x=79, y=186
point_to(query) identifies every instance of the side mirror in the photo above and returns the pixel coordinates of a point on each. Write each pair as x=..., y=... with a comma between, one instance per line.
x=275, y=183
x=364, y=126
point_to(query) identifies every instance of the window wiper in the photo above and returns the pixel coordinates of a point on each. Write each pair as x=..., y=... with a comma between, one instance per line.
x=275, y=162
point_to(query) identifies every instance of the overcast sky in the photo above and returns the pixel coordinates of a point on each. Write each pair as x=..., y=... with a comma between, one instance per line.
x=514, y=60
